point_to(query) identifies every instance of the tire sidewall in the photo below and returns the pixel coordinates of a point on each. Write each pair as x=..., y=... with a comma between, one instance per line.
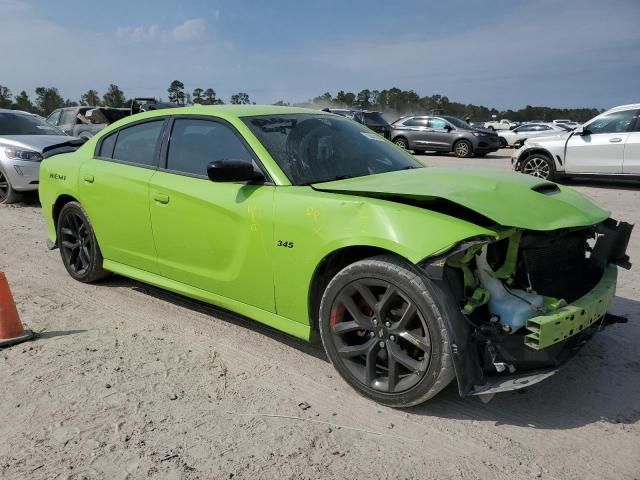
x=12, y=195
x=417, y=289
x=402, y=140
x=95, y=264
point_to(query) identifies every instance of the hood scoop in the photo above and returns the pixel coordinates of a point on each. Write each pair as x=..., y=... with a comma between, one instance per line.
x=546, y=188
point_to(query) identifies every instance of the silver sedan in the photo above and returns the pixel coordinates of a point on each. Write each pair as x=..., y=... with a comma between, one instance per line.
x=517, y=136
x=23, y=139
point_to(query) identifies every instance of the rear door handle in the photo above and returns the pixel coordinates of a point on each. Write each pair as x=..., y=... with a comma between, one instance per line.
x=615, y=140
x=89, y=178
x=161, y=198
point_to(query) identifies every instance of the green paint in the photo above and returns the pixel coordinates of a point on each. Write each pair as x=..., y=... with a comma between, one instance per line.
x=569, y=320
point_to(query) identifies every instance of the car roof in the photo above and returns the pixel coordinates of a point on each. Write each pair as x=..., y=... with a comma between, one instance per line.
x=21, y=112
x=629, y=106
x=229, y=111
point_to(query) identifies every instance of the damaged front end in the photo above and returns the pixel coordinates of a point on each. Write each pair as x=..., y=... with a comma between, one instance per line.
x=527, y=301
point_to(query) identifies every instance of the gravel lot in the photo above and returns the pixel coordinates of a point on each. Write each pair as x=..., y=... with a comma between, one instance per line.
x=126, y=381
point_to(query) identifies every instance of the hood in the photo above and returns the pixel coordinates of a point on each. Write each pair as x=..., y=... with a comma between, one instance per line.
x=559, y=138
x=34, y=142
x=508, y=199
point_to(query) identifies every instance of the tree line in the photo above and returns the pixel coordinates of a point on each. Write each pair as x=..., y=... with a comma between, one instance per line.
x=393, y=101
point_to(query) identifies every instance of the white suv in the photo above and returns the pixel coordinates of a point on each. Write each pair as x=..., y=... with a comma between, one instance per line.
x=609, y=144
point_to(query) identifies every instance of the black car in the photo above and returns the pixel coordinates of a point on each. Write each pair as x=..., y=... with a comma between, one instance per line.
x=373, y=120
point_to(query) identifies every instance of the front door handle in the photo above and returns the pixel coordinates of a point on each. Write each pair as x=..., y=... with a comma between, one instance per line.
x=161, y=198
x=89, y=178
x=615, y=140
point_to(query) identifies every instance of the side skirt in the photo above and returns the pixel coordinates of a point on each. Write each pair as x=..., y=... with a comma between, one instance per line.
x=283, y=324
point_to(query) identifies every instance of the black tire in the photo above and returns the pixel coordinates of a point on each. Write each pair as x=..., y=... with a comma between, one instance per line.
x=463, y=149
x=413, y=343
x=539, y=165
x=491, y=128
x=78, y=245
x=401, y=142
x=7, y=194
x=503, y=142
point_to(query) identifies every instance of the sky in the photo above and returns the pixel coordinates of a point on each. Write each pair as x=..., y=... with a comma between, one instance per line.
x=500, y=53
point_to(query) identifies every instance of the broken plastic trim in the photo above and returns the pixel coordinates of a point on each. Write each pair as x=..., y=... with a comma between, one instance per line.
x=434, y=266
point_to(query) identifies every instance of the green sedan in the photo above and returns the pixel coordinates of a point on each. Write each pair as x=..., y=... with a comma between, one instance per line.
x=312, y=224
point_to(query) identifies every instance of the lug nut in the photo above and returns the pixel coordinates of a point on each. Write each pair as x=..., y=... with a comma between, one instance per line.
x=381, y=344
x=372, y=334
x=388, y=324
x=392, y=338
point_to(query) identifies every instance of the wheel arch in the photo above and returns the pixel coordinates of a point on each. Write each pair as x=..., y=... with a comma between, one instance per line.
x=56, y=208
x=533, y=151
x=330, y=265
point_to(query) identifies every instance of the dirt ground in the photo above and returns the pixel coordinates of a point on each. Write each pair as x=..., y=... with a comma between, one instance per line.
x=126, y=381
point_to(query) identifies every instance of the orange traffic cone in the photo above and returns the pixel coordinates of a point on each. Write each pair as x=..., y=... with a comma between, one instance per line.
x=11, y=330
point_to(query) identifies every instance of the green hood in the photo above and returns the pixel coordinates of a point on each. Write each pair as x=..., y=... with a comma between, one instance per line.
x=509, y=199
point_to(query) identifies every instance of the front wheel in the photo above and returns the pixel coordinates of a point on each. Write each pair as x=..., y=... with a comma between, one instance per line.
x=540, y=166
x=79, y=248
x=7, y=193
x=462, y=149
x=384, y=332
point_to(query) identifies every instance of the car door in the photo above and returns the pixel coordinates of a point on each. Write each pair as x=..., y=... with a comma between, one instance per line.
x=600, y=148
x=215, y=236
x=441, y=134
x=416, y=131
x=631, y=162
x=54, y=117
x=114, y=190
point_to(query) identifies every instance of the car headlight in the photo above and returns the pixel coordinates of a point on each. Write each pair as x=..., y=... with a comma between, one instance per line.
x=478, y=134
x=27, y=155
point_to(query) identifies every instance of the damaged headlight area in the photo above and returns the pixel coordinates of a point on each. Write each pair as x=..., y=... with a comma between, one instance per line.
x=527, y=300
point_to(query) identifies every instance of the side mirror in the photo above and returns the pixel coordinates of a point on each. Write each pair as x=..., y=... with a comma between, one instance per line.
x=580, y=130
x=448, y=128
x=232, y=171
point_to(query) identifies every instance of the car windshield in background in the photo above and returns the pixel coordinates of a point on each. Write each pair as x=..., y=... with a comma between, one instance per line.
x=374, y=118
x=456, y=122
x=25, y=124
x=318, y=148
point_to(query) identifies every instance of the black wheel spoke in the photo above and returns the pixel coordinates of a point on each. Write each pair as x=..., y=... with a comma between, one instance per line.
x=360, y=318
x=70, y=245
x=406, y=317
x=367, y=296
x=370, y=363
x=384, y=305
x=357, y=350
x=402, y=358
x=68, y=231
x=392, y=373
x=423, y=343
x=346, y=327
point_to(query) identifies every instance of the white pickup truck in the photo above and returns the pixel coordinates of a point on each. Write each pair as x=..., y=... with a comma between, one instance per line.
x=503, y=124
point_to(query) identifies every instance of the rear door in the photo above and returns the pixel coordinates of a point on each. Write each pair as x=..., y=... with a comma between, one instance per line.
x=631, y=162
x=600, y=149
x=416, y=131
x=214, y=236
x=114, y=190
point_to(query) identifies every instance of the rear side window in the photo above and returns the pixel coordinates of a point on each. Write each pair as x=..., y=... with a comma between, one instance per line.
x=438, y=123
x=106, y=147
x=416, y=122
x=138, y=144
x=68, y=117
x=195, y=143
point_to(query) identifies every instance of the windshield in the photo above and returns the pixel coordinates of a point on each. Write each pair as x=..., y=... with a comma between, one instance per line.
x=318, y=148
x=456, y=122
x=25, y=124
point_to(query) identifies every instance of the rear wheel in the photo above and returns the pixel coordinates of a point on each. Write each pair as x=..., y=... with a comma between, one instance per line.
x=402, y=143
x=462, y=149
x=384, y=332
x=540, y=166
x=79, y=248
x=503, y=142
x=7, y=193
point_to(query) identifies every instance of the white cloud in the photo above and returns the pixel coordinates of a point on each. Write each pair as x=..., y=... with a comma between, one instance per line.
x=190, y=30
x=187, y=31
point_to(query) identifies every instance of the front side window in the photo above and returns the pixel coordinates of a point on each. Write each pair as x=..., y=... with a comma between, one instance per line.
x=314, y=148
x=137, y=144
x=68, y=117
x=616, y=122
x=374, y=119
x=195, y=143
x=416, y=122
